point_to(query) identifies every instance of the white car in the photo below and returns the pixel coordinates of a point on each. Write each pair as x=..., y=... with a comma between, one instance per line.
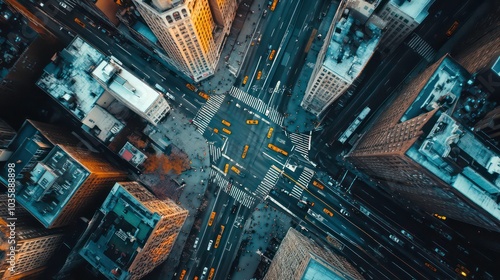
x=210, y=245
x=196, y=242
x=395, y=239
x=440, y=252
x=204, y=272
x=405, y=233
x=344, y=212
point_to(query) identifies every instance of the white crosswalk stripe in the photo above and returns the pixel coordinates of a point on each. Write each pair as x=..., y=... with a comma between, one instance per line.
x=305, y=176
x=296, y=192
x=421, y=47
x=242, y=197
x=71, y=3
x=215, y=152
x=301, y=143
x=258, y=105
x=269, y=181
x=207, y=112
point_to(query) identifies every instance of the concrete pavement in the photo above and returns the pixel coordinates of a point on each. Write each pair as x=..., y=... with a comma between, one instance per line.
x=237, y=45
x=265, y=224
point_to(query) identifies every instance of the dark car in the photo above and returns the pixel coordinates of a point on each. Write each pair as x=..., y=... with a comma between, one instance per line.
x=234, y=209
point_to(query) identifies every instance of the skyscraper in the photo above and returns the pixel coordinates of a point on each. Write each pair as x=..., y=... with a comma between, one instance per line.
x=347, y=49
x=402, y=17
x=300, y=258
x=422, y=148
x=34, y=245
x=134, y=232
x=57, y=179
x=7, y=134
x=191, y=32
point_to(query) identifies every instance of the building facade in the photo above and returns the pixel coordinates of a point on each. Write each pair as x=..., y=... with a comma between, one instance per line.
x=421, y=148
x=298, y=257
x=57, y=179
x=7, y=134
x=191, y=32
x=402, y=17
x=347, y=49
x=134, y=232
x=34, y=246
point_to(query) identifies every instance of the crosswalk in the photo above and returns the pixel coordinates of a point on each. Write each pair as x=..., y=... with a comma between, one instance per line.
x=269, y=181
x=215, y=152
x=241, y=196
x=207, y=112
x=302, y=143
x=420, y=46
x=258, y=105
x=304, y=179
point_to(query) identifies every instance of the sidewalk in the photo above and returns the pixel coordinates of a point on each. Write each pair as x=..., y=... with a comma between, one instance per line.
x=265, y=224
x=184, y=136
x=236, y=47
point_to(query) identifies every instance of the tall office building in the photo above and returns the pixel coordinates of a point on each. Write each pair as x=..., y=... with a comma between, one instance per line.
x=422, y=148
x=34, y=246
x=347, y=49
x=298, y=257
x=402, y=17
x=7, y=134
x=57, y=180
x=191, y=31
x=133, y=232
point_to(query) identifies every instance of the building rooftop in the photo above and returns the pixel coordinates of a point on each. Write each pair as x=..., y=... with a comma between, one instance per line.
x=317, y=269
x=444, y=86
x=67, y=78
x=102, y=124
x=350, y=48
x=125, y=223
x=162, y=5
x=459, y=158
x=418, y=10
x=52, y=182
x=131, y=154
x=126, y=85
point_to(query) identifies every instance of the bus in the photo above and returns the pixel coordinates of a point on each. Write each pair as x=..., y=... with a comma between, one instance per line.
x=354, y=125
x=276, y=149
x=270, y=132
x=211, y=220
x=226, y=168
x=245, y=150
x=318, y=185
x=226, y=123
x=217, y=241
x=226, y=131
x=452, y=29
x=273, y=5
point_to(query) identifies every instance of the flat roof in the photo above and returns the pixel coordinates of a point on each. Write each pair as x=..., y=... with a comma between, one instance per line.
x=445, y=84
x=417, y=9
x=67, y=78
x=52, y=183
x=131, y=89
x=350, y=48
x=455, y=155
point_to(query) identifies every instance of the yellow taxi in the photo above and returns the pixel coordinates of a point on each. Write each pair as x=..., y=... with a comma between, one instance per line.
x=252, y=122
